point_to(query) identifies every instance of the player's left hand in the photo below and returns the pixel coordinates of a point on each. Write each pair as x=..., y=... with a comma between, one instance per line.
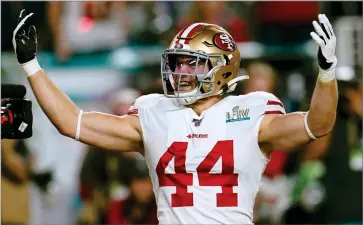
x=326, y=40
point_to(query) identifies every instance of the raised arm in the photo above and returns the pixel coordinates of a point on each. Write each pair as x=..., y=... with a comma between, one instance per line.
x=98, y=129
x=290, y=131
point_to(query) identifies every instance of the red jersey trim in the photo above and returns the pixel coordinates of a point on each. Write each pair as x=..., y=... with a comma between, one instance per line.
x=273, y=112
x=271, y=102
x=133, y=112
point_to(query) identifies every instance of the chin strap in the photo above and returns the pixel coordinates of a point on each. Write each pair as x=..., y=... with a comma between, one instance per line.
x=232, y=84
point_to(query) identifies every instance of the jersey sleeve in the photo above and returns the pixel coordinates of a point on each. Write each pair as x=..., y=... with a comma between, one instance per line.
x=142, y=103
x=273, y=105
x=144, y=108
x=266, y=103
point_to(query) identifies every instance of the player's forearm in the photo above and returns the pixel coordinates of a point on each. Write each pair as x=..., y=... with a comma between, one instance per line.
x=60, y=110
x=323, y=107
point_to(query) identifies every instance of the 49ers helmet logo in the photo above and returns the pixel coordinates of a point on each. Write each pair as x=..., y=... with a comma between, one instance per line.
x=224, y=42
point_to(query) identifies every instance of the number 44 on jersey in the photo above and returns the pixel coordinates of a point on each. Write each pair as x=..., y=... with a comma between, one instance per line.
x=181, y=179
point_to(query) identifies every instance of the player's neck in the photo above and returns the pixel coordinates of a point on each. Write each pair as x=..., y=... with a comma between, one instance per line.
x=205, y=103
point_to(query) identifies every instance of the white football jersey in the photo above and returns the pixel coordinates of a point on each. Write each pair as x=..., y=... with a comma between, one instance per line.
x=205, y=169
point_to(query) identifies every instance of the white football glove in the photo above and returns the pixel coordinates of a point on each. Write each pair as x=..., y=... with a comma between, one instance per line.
x=326, y=40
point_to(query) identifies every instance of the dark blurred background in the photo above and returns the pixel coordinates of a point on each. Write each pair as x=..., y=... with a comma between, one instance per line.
x=106, y=54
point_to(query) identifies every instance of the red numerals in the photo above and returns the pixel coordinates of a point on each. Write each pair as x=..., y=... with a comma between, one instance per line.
x=227, y=179
x=181, y=179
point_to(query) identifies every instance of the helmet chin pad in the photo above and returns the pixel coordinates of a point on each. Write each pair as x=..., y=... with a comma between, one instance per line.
x=187, y=100
x=190, y=99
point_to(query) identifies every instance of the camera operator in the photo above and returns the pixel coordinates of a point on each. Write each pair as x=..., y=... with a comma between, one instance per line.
x=16, y=125
x=51, y=169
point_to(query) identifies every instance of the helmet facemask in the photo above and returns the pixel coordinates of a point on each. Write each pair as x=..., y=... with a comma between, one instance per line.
x=190, y=84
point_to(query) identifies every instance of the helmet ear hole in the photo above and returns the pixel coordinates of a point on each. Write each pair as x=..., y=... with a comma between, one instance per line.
x=210, y=66
x=219, y=82
x=226, y=59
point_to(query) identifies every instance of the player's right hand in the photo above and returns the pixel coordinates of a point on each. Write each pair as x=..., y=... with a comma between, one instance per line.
x=25, y=39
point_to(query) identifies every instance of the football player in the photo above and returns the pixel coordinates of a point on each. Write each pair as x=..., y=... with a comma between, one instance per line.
x=205, y=152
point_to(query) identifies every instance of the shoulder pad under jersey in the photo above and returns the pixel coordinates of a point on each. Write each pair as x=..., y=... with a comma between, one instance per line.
x=268, y=102
x=143, y=102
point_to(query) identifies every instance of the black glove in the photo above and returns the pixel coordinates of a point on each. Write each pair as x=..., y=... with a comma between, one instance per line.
x=25, y=39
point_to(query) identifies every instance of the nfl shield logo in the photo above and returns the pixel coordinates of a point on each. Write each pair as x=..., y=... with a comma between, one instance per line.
x=197, y=122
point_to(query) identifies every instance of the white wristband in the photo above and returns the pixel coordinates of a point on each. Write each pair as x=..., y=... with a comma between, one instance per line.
x=307, y=127
x=78, y=131
x=327, y=75
x=31, y=67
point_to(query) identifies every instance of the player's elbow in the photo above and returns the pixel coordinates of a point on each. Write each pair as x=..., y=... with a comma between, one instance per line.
x=324, y=126
x=62, y=131
x=65, y=130
x=67, y=125
x=325, y=129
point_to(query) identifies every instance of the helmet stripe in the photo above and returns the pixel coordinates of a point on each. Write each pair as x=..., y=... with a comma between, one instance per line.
x=188, y=32
x=192, y=32
x=190, y=28
x=182, y=31
x=180, y=34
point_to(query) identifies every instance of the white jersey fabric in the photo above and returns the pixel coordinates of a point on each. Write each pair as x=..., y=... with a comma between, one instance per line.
x=205, y=169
